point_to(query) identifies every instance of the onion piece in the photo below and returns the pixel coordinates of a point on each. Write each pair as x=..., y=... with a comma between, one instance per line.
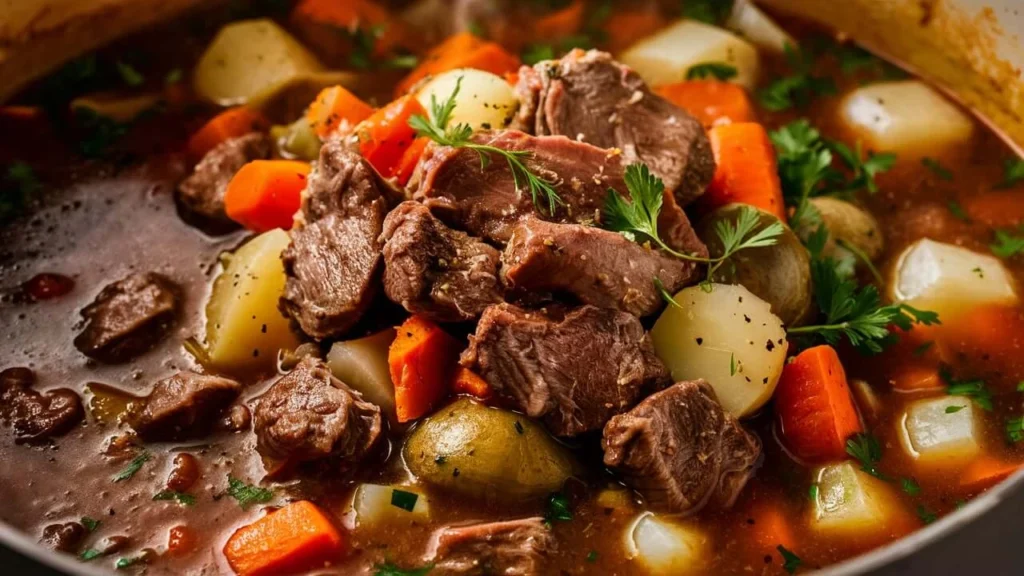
x=749, y=21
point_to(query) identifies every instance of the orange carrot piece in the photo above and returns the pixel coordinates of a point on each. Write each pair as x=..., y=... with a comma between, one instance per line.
x=629, y=26
x=710, y=101
x=385, y=136
x=997, y=209
x=336, y=108
x=560, y=23
x=913, y=378
x=265, y=194
x=352, y=15
x=985, y=472
x=231, y=123
x=771, y=528
x=410, y=159
x=467, y=382
x=814, y=405
x=746, y=171
x=421, y=361
x=296, y=538
x=460, y=51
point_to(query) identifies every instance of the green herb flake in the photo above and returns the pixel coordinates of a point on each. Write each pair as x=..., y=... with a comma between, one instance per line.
x=974, y=389
x=404, y=500
x=926, y=515
x=910, y=486
x=732, y=364
x=665, y=295
x=90, y=554
x=1008, y=244
x=813, y=492
x=130, y=75
x=133, y=467
x=867, y=451
x=954, y=409
x=18, y=184
x=91, y=524
x=1013, y=172
x=923, y=348
x=1020, y=386
x=246, y=494
x=179, y=497
x=402, y=62
x=712, y=12
x=389, y=569
x=790, y=561
x=558, y=509
x=797, y=89
x=1015, y=430
x=174, y=76
x=937, y=168
x=592, y=556
x=958, y=211
x=717, y=70
x=535, y=53
x=129, y=561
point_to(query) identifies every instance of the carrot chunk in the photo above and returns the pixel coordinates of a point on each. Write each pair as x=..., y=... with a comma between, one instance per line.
x=385, y=137
x=710, y=101
x=814, y=406
x=771, y=526
x=746, y=171
x=986, y=472
x=460, y=51
x=231, y=123
x=293, y=539
x=336, y=108
x=467, y=382
x=350, y=16
x=410, y=159
x=421, y=360
x=997, y=209
x=560, y=23
x=265, y=194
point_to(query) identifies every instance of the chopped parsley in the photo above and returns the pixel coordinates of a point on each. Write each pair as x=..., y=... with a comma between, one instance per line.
x=90, y=554
x=133, y=467
x=1020, y=386
x=923, y=348
x=364, y=42
x=129, y=75
x=404, y=500
x=558, y=509
x=926, y=515
x=1008, y=243
x=974, y=389
x=179, y=497
x=712, y=12
x=1013, y=172
x=732, y=364
x=592, y=556
x=716, y=70
x=910, y=486
x=91, y=524
x=129, y=561
x=813, y=492
x=1015, y=430
x=535, y=53
x=958, y=211
x=867, y=451
x=247, y=494
x=797, y=89
x=937, y=168
x=389, y=569
x=955, y=409
x=665, y=294
x=790, y=561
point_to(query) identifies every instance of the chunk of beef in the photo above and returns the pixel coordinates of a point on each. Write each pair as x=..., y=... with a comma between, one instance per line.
x=510, y=548
x=486, y=202
x=681, y=450
x=433, y=270
x=36, y=416
x=589, y=96
x=66, y=537
x=128, y=317
x=593, y=265
x=185, y=405
x=308, y=414
x=203, y=191
x=575, y=370
x=334, y=260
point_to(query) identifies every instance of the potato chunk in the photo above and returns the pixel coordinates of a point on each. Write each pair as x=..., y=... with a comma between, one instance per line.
x=244, y=328
x=940, y=432
x=663, y=546
x=728, y=337
x=363, y=365
x=850, y=502
x=485, y=101
x=373, y=504
x=665, y=57
x=908, y=118
x=950, y=280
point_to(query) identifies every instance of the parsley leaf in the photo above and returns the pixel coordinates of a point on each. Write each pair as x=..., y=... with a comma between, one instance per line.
x=364, y=42
x=864, y=171
x=1015, y=429
x=804, y=165
x=790, y=561
x=91, y=524
x=1013, y=172
x=404, y=500
x=712, y=12
x=437, y=128
x=958, y=211
x=388, y=569
x=179, y=497
x=130, y=75
x=732, y=364
x=535, y=53
x=1007, y=244
x=973, y=389
x=812, y=492
x=558, y=509
x=798, y=88
x=954, y=409
x=129, y=561
x=174, y=76
x=716, y=70
x=937, y=168
x=592, y=556
x=246, y=494
x=866, y=450
x=926, y=515
x=910, y=486
x=90, y=554
x=665, y=294
x=134, y=466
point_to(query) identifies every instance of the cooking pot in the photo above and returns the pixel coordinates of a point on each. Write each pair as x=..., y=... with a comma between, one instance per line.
x=969, y=48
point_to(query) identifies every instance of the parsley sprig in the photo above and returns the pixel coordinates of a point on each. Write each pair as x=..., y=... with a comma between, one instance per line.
x=974, y=389
x=1008, y=243
x=857, y=314
x=637, y=220
x=799, y=87
x=247, y=494
x=867, y=451
x=437, y=127
x=716, y=70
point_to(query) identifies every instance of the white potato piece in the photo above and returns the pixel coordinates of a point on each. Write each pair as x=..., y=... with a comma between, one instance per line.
x=663, y=546
x=377, y=504
x=665, y=57
x=728, y=337
x=937, y=438
x=244, y=328
x=485, y=101
x=249, y=60
x=852, y=503
x=906, y=117
x=749, y=21
x=363, y=365
x=948, y=279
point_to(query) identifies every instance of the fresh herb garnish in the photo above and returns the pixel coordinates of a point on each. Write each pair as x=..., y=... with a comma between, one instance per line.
x=404, y=500
x=864, y=170
x=790, y=561
x=1013, y=172
x=174, y=76
x=665, y=294
x=247, y=494
x=926, y=515
x=535, y=53
x=958, y=211
x=130, y=75
x=732, y=364
x=134, y=466
x=798, y=88
x=364, y=42
x=712, y=12
x=592, y=556
x=857, y=315
x=90, y=554
x=954, y=409
x=1020, y=386
x=1008, y=244
x=865, y=449
x=389, y=569
x=937, y=168
x=1015, y=429
x=129, y=561
x=637, y=220
x=558, y=509
x=179, y=497
x=458, y=136
x=716, y=70
x=924, y=347
x=974, y=389
x=910, y=486
x=91, y=524
x=813, y=492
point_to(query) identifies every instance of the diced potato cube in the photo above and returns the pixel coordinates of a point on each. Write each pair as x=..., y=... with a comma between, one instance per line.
x=907, y=117
x=850, y=502
x=665, y=57
x=949, y=279
x=363, y=365
x=377, y=504
x=663, y=546
x=485, y=101
x=940, y=432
